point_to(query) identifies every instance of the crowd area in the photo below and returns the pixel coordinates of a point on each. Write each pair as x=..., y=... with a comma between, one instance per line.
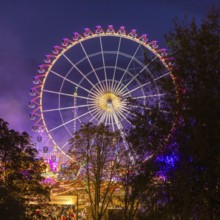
x=58, y=212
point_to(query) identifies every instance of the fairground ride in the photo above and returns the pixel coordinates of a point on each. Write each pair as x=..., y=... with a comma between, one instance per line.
x=89, y=78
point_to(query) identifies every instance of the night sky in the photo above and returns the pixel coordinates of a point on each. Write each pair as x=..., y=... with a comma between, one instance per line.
x=30, y=28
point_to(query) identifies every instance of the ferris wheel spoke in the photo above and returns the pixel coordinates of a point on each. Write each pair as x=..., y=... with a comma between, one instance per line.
x=149, y=96
x=100, y=91
x=165, y=111
x=118, y=124
x=147, y=83
x=121, y=90
x=65, y=94
x=90, y=63
x=75, y=84
x=103, y=60
x=120, y=116
x=148, y=108
x=78, y=117
x=63, y=77
x=57, y=93
x=124, y=109
x=105, y=120
x=109, y=85
x=132, y=58
x=95, y=111
x=64, y=145
x=96, y=93
x=144, y=107
x=83, y=106
x=116, y=62
x=74, y=66
x=125, y=118
x=96, y=115
x=144, y=68
x=82, y=74
x=120, y=128
x=121, y=112
x=112, y=123
x=108, y=119
x=66, y=108
x=84, y=97
x=93, y=106
x=57, y=109
x=128, y=111
x=61, y=149
x=101, y=117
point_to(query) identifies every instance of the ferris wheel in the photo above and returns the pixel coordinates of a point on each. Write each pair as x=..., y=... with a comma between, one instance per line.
x=90, y=77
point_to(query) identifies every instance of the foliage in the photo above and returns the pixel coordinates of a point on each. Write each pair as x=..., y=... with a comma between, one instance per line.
x=142, y=179
x=193, y=189
x=138, y=184
x=98, y=150
x=20, y=174
x=192, y=181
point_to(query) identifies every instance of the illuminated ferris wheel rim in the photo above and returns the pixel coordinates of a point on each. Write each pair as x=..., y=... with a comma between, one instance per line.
x=67, y=44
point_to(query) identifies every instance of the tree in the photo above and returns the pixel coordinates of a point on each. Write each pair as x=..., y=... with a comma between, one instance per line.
x=137, y=185
x=142, y=177
x=20, y=174
x=193, y=191
x=99, y=151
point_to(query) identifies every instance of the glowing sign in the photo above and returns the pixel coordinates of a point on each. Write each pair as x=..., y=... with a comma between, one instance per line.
x=63, y=200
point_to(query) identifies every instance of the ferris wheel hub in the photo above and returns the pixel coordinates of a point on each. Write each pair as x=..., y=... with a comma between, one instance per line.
x=109, y=102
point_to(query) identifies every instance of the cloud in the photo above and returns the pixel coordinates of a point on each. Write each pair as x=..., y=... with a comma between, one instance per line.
x=13, y=79
x=12, y=111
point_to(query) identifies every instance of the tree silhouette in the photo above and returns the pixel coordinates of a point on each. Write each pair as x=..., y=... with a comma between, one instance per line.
x=193, y=189
x=99, y=151
x=20, y=174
